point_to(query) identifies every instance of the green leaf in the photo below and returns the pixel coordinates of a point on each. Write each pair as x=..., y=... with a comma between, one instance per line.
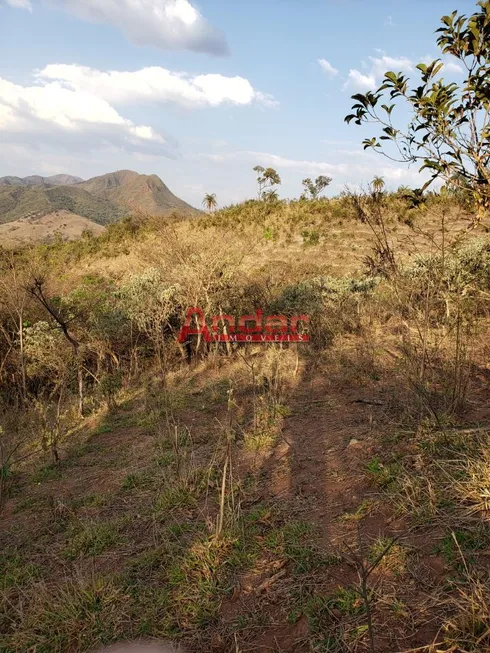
x=370, y=142
x=474, y=30
x=390, y=132
x=428, y=183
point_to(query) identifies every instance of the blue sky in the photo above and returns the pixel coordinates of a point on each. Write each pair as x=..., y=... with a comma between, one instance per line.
x=200, y=92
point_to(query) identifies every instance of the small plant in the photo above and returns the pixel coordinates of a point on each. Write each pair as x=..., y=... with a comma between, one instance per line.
x=347, y=601
x=365, y=563
x=47, y=473
x=269, y=233
x=77, y=612
x=394, y=559
x=91, y=539
x=458, y=547
x=383, y=475
x=16, y=572
x=134, y=481
x=366, y=507
x=110, y=384
x=174, y=498
x=328, y=634
x=310, y=238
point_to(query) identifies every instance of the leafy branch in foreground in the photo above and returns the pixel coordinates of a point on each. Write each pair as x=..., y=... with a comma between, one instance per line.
x=449, y=131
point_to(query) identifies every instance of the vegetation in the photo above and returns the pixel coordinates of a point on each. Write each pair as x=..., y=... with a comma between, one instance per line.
x=31, y=201
x=154, y=489
x=331, y=495
x=313, y=189
x=267, y=179
x=449, y=131
x=209, y=202
x=104, y=200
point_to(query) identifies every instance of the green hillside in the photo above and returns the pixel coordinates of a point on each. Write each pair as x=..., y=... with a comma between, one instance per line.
x=145, y=194
x=147, y=487
x=35, y=201
x=104, y=200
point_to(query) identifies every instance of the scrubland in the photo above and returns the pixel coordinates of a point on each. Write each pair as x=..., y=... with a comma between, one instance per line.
x=329, y=496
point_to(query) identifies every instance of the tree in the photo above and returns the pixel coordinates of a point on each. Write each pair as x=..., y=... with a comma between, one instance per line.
x=209, y=201
x=449, y=131
x=50, y=364
x=37, y=290
x=378, y=185
x=267, y=178
x=314, y=188
x=149, y=302
x=270, y=196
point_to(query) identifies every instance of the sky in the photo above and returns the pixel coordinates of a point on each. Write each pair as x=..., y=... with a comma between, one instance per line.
x=201, y=91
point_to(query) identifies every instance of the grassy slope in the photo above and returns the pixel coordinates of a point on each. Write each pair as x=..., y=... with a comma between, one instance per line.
x=119, y=540
x=146, y=194
x=103, y=200
x=49, y=227
x=20, y=202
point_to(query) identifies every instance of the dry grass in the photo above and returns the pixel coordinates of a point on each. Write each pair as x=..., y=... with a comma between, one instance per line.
x=205, y=503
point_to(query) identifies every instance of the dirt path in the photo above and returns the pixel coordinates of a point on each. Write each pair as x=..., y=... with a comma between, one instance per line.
x=317, y=474
x=294, y=589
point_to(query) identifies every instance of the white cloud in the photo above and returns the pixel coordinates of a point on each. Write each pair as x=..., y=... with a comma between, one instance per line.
x=398, y=174
x=306, y=166
x=380, y=65
x=57, y=116
x=73, y=106
x=156, y=84
x=167, y=24
x=358, y=81
x=453, y=67
x=359, y=171
x=20, y=4
x=328, y=141
x=451, y=64
x=327, y=68
x=280, y=162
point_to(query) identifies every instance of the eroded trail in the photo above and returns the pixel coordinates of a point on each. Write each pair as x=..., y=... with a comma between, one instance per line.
x=130, y=514
x=318, y=475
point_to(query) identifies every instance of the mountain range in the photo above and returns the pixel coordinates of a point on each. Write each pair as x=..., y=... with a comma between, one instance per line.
x=37, y=180
x=37, y=208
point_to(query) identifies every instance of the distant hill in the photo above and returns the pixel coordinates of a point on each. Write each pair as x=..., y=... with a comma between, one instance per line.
x=18, y=202
x=24, y=201
x=145, y=194
x=47, y=228
x=36, y=180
